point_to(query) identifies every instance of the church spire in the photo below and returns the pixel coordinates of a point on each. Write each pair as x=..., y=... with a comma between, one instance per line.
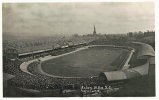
x=94, y=32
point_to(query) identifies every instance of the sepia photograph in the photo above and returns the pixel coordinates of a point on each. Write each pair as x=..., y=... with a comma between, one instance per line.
x=78, y=49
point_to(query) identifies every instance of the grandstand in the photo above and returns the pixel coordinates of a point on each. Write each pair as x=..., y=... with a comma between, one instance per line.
x=144, y=52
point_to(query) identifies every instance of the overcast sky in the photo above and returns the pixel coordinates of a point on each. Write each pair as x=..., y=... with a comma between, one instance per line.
x=71, y=18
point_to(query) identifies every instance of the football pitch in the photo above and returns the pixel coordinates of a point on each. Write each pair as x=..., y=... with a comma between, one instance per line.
x=84, y=63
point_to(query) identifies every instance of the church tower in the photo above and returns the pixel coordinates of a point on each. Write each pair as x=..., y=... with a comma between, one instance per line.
x=94, y=32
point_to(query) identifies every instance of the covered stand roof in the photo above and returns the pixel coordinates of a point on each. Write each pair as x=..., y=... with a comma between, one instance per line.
x=144, y=50
x=127, y=73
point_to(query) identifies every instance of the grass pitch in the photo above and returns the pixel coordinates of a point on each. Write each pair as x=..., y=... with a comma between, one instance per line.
x=85, y=63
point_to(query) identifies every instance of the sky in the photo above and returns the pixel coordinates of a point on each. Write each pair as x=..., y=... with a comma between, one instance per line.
x=41, y=19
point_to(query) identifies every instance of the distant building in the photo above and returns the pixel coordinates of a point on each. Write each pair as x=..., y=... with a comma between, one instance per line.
x=94, y=32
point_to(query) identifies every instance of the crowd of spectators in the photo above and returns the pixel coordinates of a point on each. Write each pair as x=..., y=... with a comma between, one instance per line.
x=42, y=82
x=12, y=67
x=41, y=43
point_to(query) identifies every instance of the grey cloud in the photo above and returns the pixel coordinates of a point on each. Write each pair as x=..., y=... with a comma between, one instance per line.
x=70, y=18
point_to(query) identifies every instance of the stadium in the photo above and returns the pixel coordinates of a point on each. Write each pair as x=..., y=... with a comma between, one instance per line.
x=68, y=68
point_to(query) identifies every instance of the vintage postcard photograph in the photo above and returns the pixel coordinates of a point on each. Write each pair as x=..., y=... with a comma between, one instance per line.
x=78, y=49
